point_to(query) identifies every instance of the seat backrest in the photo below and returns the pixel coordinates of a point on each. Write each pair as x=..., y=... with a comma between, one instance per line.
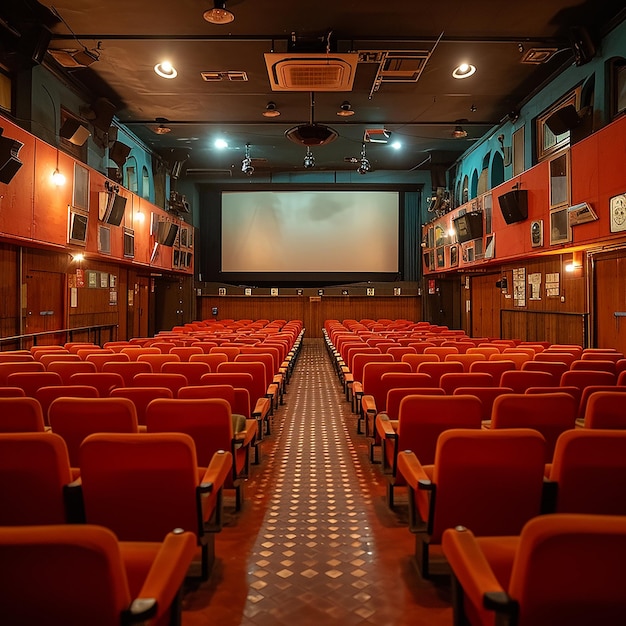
x=127, y=370
x=549, y=413
x=160, y=379
x=238, y=380
x=590, y=354
x=560, y=357
x=441, y=351
x=495, y=368
x=51, y=357
x=212, y=359
x=520, y=380
x=551, y=549
x=415, y=360
x=134, y=352
x=100, y=359
x=397, y=394
x=21, y=415
x=422, y=419
x=76, y=418
x=237, y=397
x=437, y=370
x=265, y=358
x=490, y=481
x=158, y=360
x=519, y=358
x=589, y=467
x=206, y=420
x=372, y=379
x=141, y=397
x=80, y=571
x=11, y=392
x=46, y=395
x=230, y=351
x=451, y=380
x=104, y=382
x=11, y=367
x=65, y=369
x=605, y=409
x=594, y=365
x=466, y=359
x=584, y=378
x=258, y=387
x=34, y=468
x=193, y=372
x=140, y=485
x=556, y=368
x=486, y=395
x=31, y=381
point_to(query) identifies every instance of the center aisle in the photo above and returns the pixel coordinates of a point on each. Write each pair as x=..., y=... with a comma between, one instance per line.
x=315, y=542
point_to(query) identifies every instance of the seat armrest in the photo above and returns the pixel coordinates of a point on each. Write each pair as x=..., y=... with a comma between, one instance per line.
x=413, y=471
x=384, y=427
x=472, y=570
x=261, y=408
x=218, y=470
x=165, y=577
x=368, y=403
x=246, y=436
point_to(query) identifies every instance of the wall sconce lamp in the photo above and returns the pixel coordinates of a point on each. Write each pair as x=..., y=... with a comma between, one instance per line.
x=575, y=264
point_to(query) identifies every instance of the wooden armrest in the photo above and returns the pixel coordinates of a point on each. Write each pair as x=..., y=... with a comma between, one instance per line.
x=165, y=577
x=246, y=436
x=472, y=569
x=217, y=472
x=384, y=427
x=261, y=408
x=357, y=387
x=412, y=470
x=368, y=404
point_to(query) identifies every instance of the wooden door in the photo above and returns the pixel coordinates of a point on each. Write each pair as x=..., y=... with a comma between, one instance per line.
x=485, y=306
x=609, y=301
x=139, y=307
x=42, y=303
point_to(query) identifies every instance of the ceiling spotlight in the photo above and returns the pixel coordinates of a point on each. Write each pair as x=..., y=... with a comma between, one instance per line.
x=219, y=14
x=165, y=70
x=220, y=143
x=271, y=110
x=309, y=159
x=364, y=165
x=345, y=110
x=464, y=70
x=246, y=164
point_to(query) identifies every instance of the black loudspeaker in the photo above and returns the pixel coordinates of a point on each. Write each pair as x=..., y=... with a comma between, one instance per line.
x=101, y=114
x=9, y=163
x=563, y=119
x=118, y=153
x=74, y=132
x=582, y=45
x=514, y=205
x=438, y=176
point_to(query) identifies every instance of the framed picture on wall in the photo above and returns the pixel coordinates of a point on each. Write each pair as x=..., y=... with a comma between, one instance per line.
x=454, y=255
x=441, y=257
x=560, y=231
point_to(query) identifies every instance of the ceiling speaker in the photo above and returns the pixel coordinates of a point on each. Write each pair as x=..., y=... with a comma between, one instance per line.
x=101, y=114
x=74, y=132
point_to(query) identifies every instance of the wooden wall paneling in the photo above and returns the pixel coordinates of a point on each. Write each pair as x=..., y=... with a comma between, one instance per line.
x=50, y=214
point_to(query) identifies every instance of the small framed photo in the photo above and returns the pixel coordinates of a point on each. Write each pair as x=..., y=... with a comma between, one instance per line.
x=454, y=256
x=273, y=291
x=221, y=291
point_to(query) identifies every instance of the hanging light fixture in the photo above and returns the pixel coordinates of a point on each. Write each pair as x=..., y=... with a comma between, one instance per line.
x=309, y=159
x=311, y=134
x=271, y=110
x=246, y=164
x=345, y=110
x=364, y=164
x=219, y=14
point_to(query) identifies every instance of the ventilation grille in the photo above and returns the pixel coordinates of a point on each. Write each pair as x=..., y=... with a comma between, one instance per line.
x=311, y=72
x=214, y=76
x=537, y=56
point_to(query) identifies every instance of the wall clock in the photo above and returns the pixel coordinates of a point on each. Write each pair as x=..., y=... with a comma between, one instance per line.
x=617, y=210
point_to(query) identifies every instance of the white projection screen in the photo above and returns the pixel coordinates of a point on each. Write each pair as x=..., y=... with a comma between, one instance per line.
x=310, y=231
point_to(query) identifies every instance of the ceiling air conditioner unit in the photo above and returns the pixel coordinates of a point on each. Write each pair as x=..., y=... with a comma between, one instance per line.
x=311, y=72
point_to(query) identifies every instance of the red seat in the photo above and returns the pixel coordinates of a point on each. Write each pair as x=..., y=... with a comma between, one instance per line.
x=21, y=415
x=127, y=370
x=605, y=409
x=30, y=382
x=104, y=382
x=521, y=380
x=141, y=398
x=452, y=380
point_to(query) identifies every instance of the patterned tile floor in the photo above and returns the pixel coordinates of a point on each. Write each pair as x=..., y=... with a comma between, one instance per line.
x=315, y=542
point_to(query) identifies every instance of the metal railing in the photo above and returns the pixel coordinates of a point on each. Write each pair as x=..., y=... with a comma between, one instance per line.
x=92, y=334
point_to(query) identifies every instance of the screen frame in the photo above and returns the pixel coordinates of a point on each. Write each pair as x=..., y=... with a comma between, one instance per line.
x=211, y=232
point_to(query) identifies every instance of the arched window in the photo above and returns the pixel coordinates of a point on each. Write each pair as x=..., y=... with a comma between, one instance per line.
x=465, y=190
x=474, y=185
x=497, y=170
x=145, y=183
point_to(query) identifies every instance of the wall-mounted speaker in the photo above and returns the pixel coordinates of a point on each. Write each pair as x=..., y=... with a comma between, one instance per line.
x=514, y=205
x=563, y=119
x=100, y=113
x=536, y=233
x=582, y=45
x=74, y=131
x=9, y=161
x=118, y=153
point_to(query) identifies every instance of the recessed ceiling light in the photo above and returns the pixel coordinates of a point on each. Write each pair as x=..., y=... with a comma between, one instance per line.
x=221, y=143
x=464, y=70
x=165, y=70
x=396, y=145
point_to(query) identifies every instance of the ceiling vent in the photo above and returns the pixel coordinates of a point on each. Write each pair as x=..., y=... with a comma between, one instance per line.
x=311, y=72
x=537, y=56
x=231, y=75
